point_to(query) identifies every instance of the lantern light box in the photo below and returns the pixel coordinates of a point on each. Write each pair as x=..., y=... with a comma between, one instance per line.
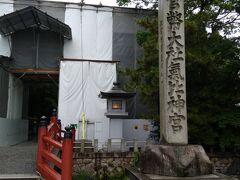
x=116, y=101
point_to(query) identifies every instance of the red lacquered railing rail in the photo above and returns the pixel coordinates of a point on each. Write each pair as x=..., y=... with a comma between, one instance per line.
x=49, y=138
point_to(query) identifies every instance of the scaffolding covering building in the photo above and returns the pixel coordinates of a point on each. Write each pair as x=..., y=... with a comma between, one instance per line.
x=77, y=45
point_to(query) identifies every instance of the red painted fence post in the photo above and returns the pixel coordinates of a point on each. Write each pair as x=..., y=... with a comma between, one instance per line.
x=42, y=131
x=67, y=153
x=53, y=118
x=73, y=132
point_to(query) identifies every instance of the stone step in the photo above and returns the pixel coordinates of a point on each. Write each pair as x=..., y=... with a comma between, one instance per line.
x=86, y=149
x=20, y=176
x=86, y=140
x=86, y=144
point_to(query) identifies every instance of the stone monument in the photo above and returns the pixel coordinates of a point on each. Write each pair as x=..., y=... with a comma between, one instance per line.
x=173, y=108
x=173, y=156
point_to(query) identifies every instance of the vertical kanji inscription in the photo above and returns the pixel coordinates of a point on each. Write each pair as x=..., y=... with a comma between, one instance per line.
x=173, y=109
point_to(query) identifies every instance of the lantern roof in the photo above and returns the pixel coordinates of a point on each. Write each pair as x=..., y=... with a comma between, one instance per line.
x=116, y=92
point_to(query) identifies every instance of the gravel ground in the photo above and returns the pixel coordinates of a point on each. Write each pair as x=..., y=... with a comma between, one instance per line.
x=18, y=159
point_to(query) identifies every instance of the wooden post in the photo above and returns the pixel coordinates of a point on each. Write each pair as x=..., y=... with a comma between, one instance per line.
x=67, y=155
x=95, y=145
x=73, y=132
x=135, y=146
x=122, y=145
x=109, y=145
x=42, y=131
x=53, y=118
x=82, y=145
x=59, y=129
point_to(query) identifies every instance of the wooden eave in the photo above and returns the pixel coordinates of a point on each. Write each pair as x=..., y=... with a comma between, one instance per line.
x=35, y=71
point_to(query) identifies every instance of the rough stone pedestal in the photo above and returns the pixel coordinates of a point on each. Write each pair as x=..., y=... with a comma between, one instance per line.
x=135, y=174
x=176, y=161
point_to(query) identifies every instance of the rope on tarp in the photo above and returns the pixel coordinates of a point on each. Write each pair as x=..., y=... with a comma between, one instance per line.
x=18, y=79
x=54, y=82
x=4, y=67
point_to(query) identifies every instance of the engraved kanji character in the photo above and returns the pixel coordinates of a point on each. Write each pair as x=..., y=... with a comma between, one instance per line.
x=176, y=105
x=179, y=54
x=174, y=19
x=174, y=39
x=175, y=72
x=175, y=122
x=174, y=55
x=175, y=87
x=174, y=4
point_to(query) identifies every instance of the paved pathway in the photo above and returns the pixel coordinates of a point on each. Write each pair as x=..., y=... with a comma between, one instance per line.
x=18, y=159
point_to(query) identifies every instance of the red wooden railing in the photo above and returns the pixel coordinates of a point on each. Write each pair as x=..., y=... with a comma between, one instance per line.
x=49, y=138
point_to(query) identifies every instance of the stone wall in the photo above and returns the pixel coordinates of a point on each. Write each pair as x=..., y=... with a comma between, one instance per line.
x=102, y=163
x=226, y=164
x=13, y=131
x=111, y=163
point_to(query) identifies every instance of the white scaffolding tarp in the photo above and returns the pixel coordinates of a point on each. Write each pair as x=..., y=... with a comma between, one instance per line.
x=79, y=87
x=5, y=8
x=91, y=33
x=73, y=18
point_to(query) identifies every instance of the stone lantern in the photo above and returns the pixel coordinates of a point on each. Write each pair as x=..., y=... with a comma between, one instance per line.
x=116, y=101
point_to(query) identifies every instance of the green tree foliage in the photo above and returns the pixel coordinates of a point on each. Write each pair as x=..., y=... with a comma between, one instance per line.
x=212, y=65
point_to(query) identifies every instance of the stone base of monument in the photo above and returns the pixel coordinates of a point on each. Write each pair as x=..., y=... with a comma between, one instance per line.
x=176, y=162
x=134, y=174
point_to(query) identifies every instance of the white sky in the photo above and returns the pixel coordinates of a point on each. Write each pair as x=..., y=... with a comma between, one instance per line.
x=104, y=2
